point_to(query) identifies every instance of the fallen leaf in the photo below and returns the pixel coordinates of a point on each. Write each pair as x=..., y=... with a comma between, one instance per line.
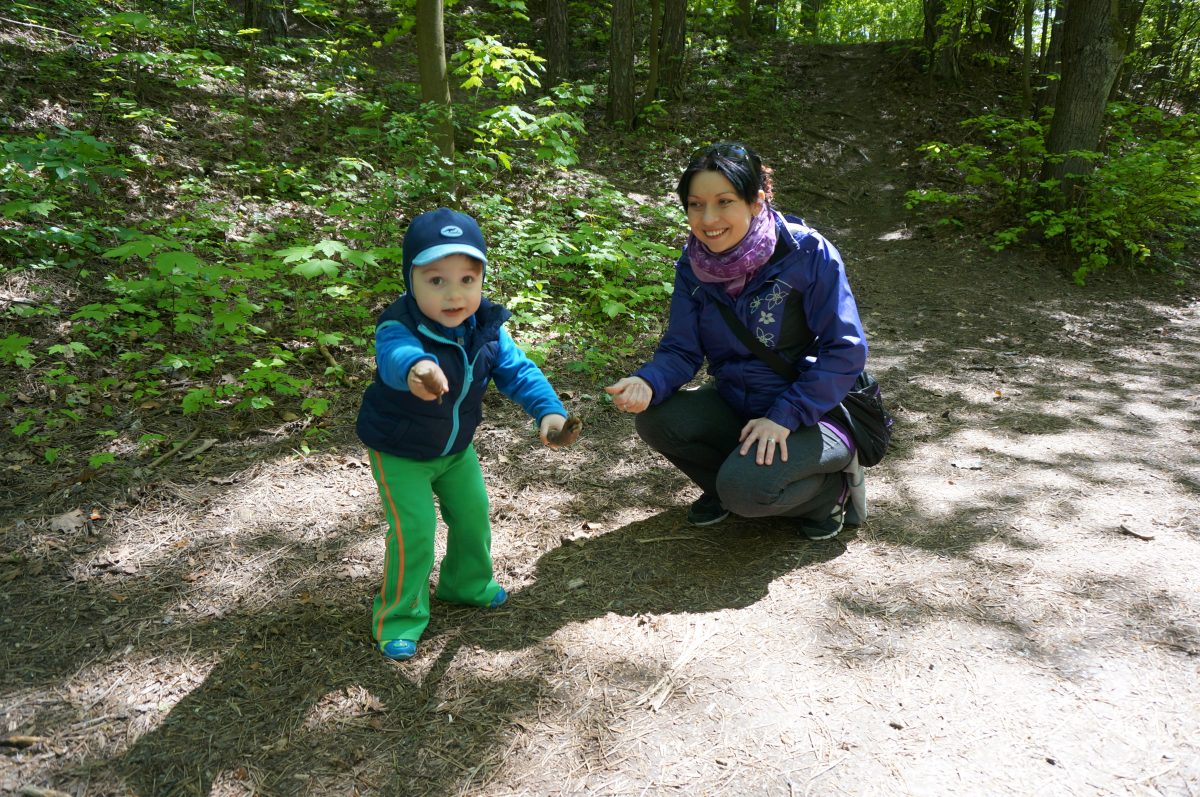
x=68, y=521
x=200, y=449
x=1132, y=532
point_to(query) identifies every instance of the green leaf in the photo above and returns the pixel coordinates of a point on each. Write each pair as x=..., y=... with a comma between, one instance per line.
x=316, y=268
x=295, y=253
x=613, y=309
x=331, y=248
x=100, y=460
x=140, y=247
x=178, y=262
x=197, y=399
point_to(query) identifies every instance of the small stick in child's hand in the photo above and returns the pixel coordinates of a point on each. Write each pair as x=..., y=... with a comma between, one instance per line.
x=429, y=381
x=568, y=434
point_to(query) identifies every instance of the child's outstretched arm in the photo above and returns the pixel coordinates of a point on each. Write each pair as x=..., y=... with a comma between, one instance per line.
x=521, y=380
x=557, y=431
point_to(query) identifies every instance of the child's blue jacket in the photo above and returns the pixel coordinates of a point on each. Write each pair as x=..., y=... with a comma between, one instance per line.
x=392, y=420
x=799, y=304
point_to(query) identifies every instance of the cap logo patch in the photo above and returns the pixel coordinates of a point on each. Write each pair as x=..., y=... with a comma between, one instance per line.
x=451, y=231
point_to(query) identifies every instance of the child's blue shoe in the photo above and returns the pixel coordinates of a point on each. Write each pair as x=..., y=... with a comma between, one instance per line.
x=398, y=649
x=499, y=599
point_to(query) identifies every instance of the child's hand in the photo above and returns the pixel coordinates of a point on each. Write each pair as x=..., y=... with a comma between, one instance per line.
x=557, y=431
x=426, y=381
x=631, y=394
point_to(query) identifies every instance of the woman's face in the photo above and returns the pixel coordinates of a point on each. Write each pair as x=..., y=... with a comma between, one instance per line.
x=716, y=213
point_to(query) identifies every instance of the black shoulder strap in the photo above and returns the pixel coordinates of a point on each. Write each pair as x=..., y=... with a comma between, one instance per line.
x=771, y=358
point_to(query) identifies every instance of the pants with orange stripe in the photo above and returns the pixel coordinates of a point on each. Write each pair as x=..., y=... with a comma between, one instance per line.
x=407, y=488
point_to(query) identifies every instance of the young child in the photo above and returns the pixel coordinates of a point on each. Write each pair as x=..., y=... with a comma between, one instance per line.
x=436, y=349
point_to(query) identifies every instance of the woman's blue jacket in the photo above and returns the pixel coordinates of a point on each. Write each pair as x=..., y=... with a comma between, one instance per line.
x=799, y=304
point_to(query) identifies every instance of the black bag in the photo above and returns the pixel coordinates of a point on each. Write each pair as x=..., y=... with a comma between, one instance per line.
x=868, y=420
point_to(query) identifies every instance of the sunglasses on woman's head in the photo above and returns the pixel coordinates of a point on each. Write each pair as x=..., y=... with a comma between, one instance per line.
x=725, y=150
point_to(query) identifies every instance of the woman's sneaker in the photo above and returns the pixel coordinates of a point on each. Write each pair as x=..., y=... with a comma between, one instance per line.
x=824, y=529
x=706, y=510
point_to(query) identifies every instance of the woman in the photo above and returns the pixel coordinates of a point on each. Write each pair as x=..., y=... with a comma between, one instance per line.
x=758, y=443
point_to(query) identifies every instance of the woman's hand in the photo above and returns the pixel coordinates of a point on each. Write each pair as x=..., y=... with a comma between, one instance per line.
x=427, y=381
x=631, y=394
x=768, y=436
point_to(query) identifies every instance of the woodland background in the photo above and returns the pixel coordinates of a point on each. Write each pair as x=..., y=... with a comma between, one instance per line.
x=201, y=211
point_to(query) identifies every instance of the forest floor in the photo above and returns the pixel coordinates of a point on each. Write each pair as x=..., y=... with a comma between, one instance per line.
x=1020, y=614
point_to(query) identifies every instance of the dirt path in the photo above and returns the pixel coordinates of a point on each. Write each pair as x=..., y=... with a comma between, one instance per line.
x=1020, y=615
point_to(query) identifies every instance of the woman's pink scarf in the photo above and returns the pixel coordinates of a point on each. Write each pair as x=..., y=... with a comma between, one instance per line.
x=733, y=267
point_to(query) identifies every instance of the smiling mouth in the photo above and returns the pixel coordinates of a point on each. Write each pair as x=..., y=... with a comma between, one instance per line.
x=715, y=233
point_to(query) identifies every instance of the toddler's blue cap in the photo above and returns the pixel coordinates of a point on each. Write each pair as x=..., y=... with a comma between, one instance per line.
x=438, y=233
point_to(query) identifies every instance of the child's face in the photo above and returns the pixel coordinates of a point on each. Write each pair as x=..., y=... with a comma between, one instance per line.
x=449, y=289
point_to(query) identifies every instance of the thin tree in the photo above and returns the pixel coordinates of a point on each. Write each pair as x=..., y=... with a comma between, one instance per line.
x=1131, y=16
x=431, y=65
x=268, y=16
x=1027, y=53
x=1000, y=17
x=672, y=51
x=655, y=47
x=1044, y=41
x=558, y=66
x=770, y=15
x=810, y=17
x=1093, y=45
x=620, y=65
x=1051, y=66
x=745, y=18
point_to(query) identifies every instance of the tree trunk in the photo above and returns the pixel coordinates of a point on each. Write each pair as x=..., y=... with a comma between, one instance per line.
x=620, y=65
x=673, y=48
x=269, y=16
x=1051, y=68
x=810, y=17
x=1043, y=42
x=1091, y=54
x=1131, y=15
x=745, y=18
x=1001, y=18
x=770, y=16
x=1027, y=55
x=1161, y=53
x=431, y=64
x=655, y=47
x=558, y=33
x=941, y=40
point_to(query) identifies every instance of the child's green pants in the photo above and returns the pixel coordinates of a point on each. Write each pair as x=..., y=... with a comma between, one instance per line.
x=407, y=488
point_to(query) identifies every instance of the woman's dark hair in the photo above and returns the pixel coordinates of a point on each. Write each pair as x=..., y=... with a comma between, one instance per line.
x=739, y=164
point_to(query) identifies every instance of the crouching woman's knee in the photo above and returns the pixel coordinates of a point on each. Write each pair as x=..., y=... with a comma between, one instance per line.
x=746, y=499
